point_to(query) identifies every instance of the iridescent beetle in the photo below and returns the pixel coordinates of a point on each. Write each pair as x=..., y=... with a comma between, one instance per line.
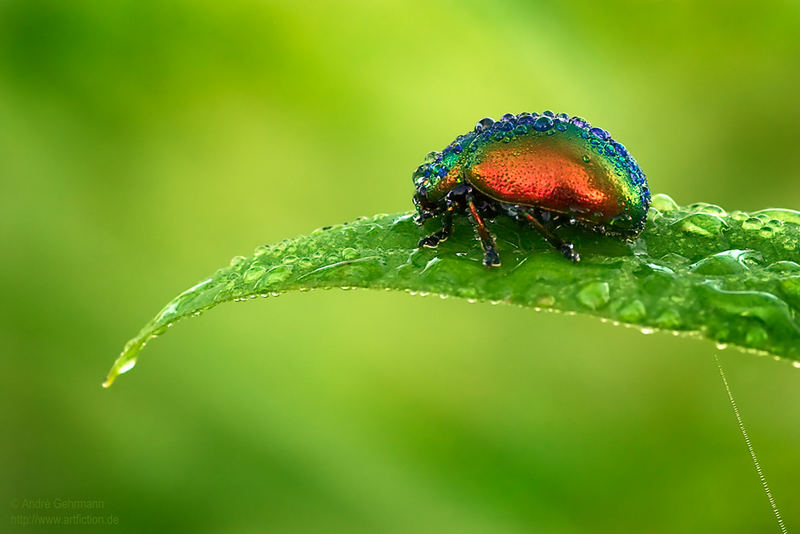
x=543, y=170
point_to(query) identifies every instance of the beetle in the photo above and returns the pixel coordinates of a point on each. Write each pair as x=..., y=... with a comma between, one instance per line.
x=544, y=170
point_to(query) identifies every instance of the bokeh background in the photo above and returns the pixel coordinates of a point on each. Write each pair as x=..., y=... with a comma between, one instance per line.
x=143, y=144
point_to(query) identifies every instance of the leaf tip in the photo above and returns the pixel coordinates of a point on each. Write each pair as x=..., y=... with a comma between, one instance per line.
x=124, y=363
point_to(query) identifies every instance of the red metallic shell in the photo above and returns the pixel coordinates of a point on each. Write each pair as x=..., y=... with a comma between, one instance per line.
x=561, y=173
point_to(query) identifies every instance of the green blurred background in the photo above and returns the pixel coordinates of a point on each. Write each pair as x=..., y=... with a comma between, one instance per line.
x=143, y=144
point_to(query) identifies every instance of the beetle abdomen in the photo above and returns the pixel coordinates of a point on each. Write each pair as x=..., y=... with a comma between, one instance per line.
x=560, y=165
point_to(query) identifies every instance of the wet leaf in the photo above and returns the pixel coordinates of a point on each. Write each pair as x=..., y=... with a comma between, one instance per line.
x=733, y=278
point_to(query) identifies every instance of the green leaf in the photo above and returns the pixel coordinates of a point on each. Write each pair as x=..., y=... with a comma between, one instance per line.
x=730, y=277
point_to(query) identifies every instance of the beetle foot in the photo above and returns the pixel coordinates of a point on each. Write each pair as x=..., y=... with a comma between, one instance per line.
x=569, y=252
x=491, y=258
x=432, y=241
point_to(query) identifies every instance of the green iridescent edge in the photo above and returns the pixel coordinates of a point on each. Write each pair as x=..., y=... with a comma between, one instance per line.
x=733, y=278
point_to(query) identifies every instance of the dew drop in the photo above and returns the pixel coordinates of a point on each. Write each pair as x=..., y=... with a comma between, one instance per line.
x=756, y=336
x=766, y=232
x=543, y=124
x=545, y=301
x=784, y=266
x=785, y=215
x=349, y=253
x=752, y=223
x=633, y=311
x=594, y=295
x=727, y=262
x=599, y=132
x=739, y=216
x=669, y=319
x=701, y=224
x=278, y=274
x=254, y=273
x=663, y=203
x=586, y=158
x=484, y=124
x=704, y=207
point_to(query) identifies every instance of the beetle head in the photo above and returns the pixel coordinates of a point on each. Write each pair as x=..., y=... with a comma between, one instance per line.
x=425, y=208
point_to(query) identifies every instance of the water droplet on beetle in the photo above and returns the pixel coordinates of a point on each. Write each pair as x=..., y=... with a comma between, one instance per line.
x=587, y=159
x=542, y=124
x=484, y=124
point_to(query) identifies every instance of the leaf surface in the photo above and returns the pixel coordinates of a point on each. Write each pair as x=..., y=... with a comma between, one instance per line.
x=730, y=277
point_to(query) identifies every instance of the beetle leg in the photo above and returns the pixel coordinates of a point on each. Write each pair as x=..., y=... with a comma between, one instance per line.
x=564, y=247
x=433, y=240
x=490, y=256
